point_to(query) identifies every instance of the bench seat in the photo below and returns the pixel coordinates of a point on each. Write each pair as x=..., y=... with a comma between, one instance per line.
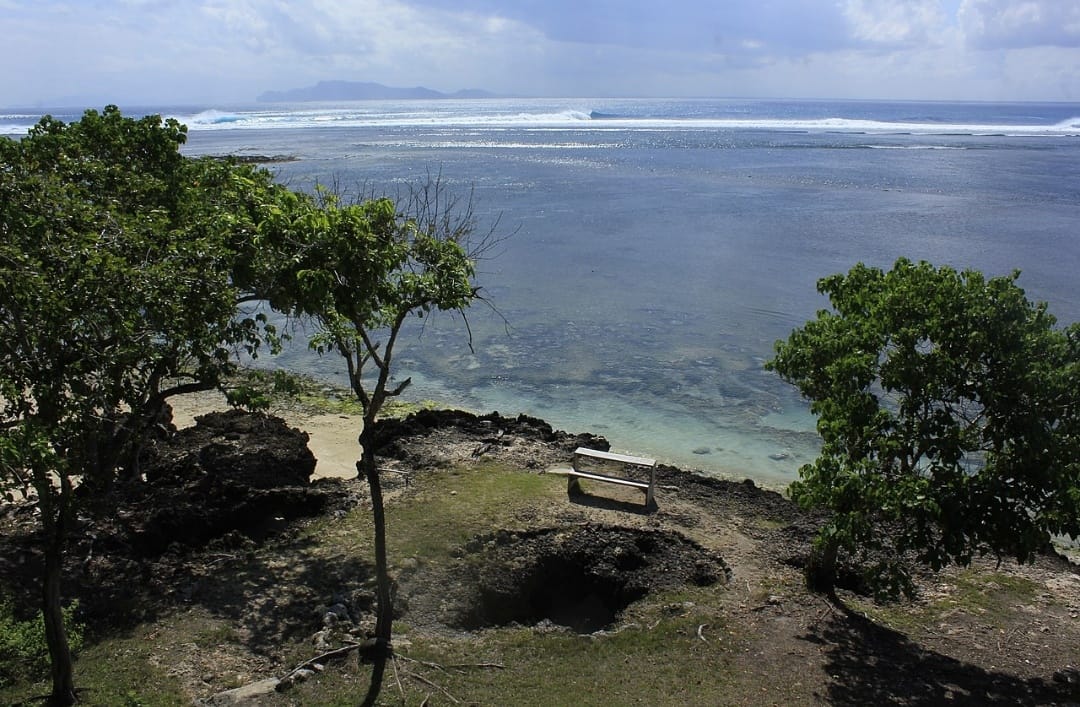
x=575, y=474
x=608, y=479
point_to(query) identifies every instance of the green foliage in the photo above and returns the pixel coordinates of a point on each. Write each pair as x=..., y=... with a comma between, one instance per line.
x=247, y=398
x=357, y=271
x=257, y=390
x=24, y=655
x=122, y=264
x=118, y=272
x=948, y=406
x=286, y=382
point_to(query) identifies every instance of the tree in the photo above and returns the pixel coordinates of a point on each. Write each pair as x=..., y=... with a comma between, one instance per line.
x=117, y=290
x=949, y=411
x=359, y=271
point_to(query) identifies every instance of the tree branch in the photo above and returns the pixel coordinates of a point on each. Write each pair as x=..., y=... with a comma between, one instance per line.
x=401, y=388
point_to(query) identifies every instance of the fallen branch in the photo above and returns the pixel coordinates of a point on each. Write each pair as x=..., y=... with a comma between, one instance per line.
x=404, y=473
x=219, y=557
x=322, y=658
x=397, y=679
x=458, y=666
x=425, y=663
x=829, y=608
x=429, y=683
x=1004, y=639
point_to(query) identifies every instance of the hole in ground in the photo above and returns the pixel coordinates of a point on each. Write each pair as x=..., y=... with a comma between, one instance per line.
x=581, y=578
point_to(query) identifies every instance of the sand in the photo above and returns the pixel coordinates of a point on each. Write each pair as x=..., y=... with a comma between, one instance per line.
x=332, y=437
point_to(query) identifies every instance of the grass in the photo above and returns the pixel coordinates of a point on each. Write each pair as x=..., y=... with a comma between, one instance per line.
x=121, y=671
x=972, y=591
x=673, y=647
x=455, y=505
x=450, y=507
x=655, y=656
x=662, y=661
x=667, y=664
x=282, y=389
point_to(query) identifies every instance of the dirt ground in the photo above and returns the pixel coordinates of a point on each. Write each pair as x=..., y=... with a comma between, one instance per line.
x=986, y=643
x=984, y=635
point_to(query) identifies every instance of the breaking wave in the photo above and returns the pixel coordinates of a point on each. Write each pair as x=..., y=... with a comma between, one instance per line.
x=580, y=114
x=479, y=116
x=214, y=117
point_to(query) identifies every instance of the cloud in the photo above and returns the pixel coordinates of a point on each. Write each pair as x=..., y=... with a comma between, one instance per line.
x=1008, y=24
x=231, y=50
x=786, y=26
x=887, y=22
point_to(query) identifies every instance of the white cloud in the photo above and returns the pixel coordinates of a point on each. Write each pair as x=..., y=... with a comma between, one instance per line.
x=914, y=22
x=231, y=50
x=1009, y=24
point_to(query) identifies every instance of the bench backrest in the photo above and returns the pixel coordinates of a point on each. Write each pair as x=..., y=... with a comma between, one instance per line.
x=612, y=457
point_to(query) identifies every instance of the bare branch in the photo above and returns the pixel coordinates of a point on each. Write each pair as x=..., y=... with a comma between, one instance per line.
x=372, y=348
x=401, y=388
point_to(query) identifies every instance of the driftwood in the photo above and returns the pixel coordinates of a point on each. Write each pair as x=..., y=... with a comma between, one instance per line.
x=316, y=662
x=287, y=681
x=440, y=688
x=457, y=667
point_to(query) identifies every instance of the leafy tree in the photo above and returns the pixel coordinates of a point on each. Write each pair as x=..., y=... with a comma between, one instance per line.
x=117, y=290
x=949, y=409
x=359, y=271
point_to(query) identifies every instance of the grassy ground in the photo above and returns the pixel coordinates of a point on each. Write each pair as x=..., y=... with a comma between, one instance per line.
x=984, y=635
x=654, y=657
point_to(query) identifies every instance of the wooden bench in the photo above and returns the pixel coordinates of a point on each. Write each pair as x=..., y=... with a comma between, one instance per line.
x=582, y=456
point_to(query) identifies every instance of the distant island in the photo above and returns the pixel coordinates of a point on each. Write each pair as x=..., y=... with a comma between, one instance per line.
x=362, y=91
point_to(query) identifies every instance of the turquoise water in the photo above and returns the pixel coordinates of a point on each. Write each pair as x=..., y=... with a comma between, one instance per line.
x=659, y=251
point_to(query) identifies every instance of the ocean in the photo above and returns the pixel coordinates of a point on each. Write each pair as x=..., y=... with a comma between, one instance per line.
x=658, y=248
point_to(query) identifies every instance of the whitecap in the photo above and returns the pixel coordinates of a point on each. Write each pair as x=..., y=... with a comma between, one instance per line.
x=213, y=117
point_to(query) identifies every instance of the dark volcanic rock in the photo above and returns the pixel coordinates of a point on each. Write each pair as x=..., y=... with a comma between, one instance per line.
x=232, y=471
x=480, y=426
x=425, y=437
x=253, y=449
x=233, y=479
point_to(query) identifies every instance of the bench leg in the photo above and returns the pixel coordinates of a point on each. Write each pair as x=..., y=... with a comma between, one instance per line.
x=650, y=499
x=573, y=485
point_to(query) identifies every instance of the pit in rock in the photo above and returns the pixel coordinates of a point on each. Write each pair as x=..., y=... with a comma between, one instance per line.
x=581, y=578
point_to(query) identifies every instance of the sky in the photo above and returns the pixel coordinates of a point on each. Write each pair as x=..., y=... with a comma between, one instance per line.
x=226, y=52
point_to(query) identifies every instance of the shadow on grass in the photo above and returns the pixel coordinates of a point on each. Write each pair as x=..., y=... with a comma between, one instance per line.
x=873, y=665
x=264, y=598
x=283, y=596
x=607, y=503
x=268, y=593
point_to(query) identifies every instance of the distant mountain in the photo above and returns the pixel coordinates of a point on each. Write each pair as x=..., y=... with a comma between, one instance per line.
x=361, y=91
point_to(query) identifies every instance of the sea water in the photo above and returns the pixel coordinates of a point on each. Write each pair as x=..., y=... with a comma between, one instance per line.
x=658, y=248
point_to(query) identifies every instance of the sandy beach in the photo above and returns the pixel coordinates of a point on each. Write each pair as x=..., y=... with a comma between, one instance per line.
x=332, y=436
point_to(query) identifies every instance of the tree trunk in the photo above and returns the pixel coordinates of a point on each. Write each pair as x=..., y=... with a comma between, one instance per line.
x=384, y=607
x=63, y=681
x=55, y=506
x=821, y=568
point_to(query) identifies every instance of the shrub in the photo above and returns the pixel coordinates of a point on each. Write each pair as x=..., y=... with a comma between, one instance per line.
x=24, y=655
